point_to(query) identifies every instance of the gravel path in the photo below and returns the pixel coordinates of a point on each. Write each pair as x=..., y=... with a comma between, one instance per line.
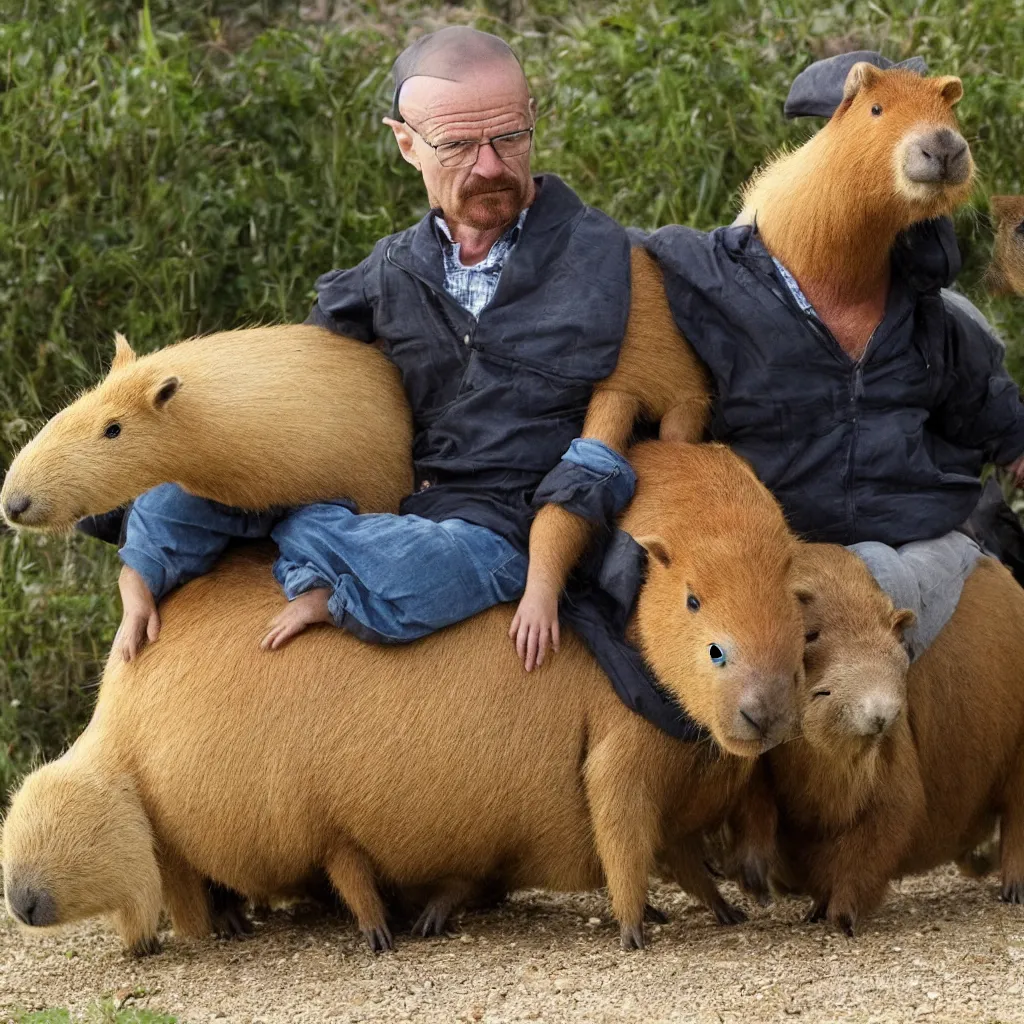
x=943, y=948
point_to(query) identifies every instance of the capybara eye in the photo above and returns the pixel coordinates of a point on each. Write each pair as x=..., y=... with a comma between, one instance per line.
x=693, y=604
x=809, y=638
x=876, y=111
x=717, y=654
x=113, y=430
x=822, y=693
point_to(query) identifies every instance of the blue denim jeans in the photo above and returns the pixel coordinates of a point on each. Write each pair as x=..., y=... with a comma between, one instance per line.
x=393, y=578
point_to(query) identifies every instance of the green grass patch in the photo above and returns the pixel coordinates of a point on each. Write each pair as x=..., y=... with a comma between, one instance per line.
x=99, y=1013
x=195, y=165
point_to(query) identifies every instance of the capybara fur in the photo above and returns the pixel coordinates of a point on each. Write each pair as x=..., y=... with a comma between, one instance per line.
x=1005, y=273
x=441, y=760
x=257, y=418
x=894, y=778
x=890, y=156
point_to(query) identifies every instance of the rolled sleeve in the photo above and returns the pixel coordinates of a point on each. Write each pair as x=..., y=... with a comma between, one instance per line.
x=592, y=481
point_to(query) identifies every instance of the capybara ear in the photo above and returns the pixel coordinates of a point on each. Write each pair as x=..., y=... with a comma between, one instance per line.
x=656, y=547
x=1002, y=206
x=803, y=593
x=860, y=76
x=165, y=391
x=950, y=88
x=902, y=620
x=124, y=354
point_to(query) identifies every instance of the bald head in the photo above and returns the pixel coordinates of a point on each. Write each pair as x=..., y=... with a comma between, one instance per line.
x=461, y=86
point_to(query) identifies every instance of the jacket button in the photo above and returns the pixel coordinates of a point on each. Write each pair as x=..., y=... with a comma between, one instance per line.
x=465, y=340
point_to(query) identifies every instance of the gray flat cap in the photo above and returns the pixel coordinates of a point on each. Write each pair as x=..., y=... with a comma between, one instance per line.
x=818, y=90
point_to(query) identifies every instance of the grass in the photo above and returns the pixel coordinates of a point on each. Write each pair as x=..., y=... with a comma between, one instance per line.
x=98, y=1013
x=189, y=166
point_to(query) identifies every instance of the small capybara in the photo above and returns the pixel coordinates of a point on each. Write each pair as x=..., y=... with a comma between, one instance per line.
x=892, y=775
x=253, y=418
x=1005, y=273
x=427, y=762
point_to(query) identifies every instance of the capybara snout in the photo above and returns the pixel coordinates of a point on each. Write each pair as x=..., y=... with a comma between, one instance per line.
x=29, y=903
x=15, y=506
x=937, y=156
x=765, y=711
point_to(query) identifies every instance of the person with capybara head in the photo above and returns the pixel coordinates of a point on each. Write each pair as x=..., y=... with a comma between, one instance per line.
x=501, y=309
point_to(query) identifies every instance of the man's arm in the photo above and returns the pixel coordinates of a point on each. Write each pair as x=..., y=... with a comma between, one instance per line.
x=658, y=377
x=342, y=305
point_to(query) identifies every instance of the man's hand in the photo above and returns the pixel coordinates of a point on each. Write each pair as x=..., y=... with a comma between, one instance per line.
x=1017, y=469
x=140, y=621
x=535, y=626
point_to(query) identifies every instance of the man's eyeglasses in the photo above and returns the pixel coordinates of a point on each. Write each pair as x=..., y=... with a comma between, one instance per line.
x=464, y=152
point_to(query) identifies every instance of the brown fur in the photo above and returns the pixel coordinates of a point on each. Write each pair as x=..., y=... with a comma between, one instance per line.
x=858, y=811
x=831, y=210
x=439, y=760
x=1005, y=274
x=260, y=417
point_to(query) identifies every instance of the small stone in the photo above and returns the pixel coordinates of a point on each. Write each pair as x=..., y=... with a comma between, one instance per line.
x=466, y=937
x=593, y=921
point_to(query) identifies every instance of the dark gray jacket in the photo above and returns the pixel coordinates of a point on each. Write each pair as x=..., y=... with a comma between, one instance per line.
x=497, y=401
x=887, y=448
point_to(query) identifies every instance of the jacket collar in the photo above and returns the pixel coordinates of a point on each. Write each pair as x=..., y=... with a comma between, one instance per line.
x=555, y=205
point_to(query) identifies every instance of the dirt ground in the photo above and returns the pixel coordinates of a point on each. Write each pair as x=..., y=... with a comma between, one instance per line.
x=944, y=948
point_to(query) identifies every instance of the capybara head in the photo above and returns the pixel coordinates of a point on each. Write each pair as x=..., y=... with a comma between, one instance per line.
x=897, y=133
x=856, y=663
x=75, y=845
x=717, y=618
x=98, y=453
x=1006, y=272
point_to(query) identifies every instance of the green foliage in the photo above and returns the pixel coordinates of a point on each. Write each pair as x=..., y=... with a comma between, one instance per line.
x=98, y=1013
x=193, y=165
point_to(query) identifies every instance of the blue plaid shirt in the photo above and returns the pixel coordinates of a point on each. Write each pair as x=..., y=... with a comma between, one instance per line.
x=473, y=287
x=790, y=281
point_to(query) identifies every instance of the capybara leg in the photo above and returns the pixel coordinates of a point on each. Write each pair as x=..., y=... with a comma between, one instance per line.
x=450, y=895
x=137, y=927
x=754, y=826
x=684, y=422
x=227, y=909
x=186, y=897
x=685, y=859
x=626, y=821
x=352, y=875
x=1011, y=835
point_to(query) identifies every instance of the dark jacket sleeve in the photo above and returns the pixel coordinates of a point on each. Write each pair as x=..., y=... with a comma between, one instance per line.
x=981, y=406
x=342, y=305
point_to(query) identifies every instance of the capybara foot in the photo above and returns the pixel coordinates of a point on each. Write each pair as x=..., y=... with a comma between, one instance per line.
x=227, y=910
x=817, y=913
x=844, y=920
x=1013, y=892
x=753, y=879
x=631, y=936
x=379, y=938
x=728, y=913
x=433, y=920
x=148, y=945
x=652, y=915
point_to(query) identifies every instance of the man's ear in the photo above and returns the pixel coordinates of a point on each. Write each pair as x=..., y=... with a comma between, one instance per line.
x=533, y=110
x=406, y=141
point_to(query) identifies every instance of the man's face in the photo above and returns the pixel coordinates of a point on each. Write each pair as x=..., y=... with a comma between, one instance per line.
x=490, y=192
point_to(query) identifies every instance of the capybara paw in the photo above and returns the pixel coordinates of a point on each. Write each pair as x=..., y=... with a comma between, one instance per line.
x=653, y=915
x=148, y=945
x=232, y=923
x=631, y=936
x=379, y=938
x=1013, y=892
x=432, y=921
x=728, y=913
x=754, y=880
x=844, y=920
x=817, y=913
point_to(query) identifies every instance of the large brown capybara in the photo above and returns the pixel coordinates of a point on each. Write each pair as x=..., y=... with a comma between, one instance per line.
x=1005, y=273
x=897, y=776
x=226, y=417
x=830, y=211
x=435, y=762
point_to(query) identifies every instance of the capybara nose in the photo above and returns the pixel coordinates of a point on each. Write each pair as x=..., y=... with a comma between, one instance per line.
x=32, y=906
x=16, y=506
x=938, y=157
x=876, y=714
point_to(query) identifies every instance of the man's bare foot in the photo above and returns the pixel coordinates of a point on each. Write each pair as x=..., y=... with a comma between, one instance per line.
x=140, y=620
x=306, y=610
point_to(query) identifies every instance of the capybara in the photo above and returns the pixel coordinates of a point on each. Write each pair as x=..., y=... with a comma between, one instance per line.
x=437, y=760
x=830, y=211
x=891, y=776
x=1005, y=273
x=254, y=418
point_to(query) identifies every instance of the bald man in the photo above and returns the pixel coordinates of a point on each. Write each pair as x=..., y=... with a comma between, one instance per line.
x=501, y=308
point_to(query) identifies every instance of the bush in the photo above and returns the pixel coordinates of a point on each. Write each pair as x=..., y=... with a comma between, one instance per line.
x=191, y=166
